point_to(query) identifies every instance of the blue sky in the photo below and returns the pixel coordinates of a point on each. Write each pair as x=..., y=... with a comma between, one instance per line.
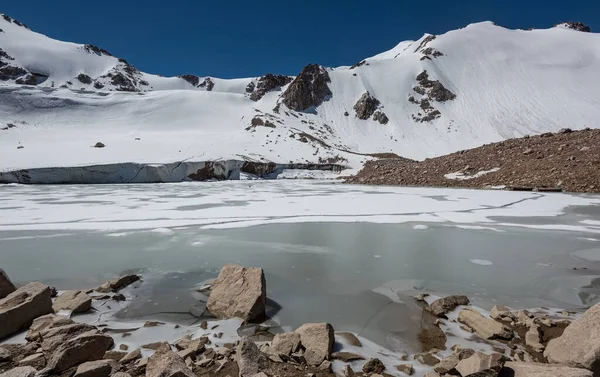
x=241, y=38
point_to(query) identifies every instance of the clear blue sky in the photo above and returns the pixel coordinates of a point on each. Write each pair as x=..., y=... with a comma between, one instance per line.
x=241, y=38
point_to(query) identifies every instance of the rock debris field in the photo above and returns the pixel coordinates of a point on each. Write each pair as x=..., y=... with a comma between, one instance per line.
x=520, y=343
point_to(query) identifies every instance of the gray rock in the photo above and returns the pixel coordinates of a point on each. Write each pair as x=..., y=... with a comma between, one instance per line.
x=98, y=368
x=380, y=117
x=5, y=355
x=443, y=305
x=21, y=307
x=249, y=358
x=350, y=338
x=89, y=346
x=533, y=338
x=579, y=344
x=480, y=364
x=267, y=83
x=118, y=283
x=75, y=301
x=20, y=372
x=239, y=292
x=37, y=361
x=518, y=369
x=6, y=286
x=317, y=339
x=285, y=343
x=486, y=328
x=166, y=363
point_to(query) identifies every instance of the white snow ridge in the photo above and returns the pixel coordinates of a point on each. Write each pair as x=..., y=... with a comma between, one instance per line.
x=437, y=95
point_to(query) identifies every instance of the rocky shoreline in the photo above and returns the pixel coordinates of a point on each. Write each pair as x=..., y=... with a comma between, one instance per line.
x=564, y=161
x=38, y=337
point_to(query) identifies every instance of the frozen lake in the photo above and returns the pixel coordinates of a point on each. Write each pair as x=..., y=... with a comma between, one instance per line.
x=350, y=255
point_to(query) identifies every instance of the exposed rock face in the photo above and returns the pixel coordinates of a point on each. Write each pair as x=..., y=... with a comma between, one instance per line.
x=579, y=345
x=37, y=361
x=91, y=49
x=166, y=363
x=89, y=346
x=98, y=368
x=84, y=79
x=268, y=83
x=487, y=328
x=20, y=372
x=285, y=343
x=480, y=364
x=431, y=90
x=366, y=106
x=308, y=89
x=446, y=304
x=250, y=87
x=579, y=26
x=118, y=283
x=380, y=117
x=21, y=307
x=317, y=339
x=75, y=301
x=207, y=83
x=10, y=72
x=543, y=370
x=192, y=79
x=28, y=79
x=249, y=358
x=239, y=292
x=6, y=286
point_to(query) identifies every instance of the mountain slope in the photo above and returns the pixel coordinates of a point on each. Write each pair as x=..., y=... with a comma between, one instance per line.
x=421, y=99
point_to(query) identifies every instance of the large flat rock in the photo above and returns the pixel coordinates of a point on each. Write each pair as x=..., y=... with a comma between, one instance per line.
x=21, y=307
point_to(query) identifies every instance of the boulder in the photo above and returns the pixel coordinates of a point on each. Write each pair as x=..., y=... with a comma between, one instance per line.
x=449, y=363
x=19, y=351
x=533, y=338
x=406, y=369
x=89, y=346
x=6, y=286
x=118, y=283
x=5, y=355
x=98, y=368
x=37, y=361
x=373, y=366
x=486, y=328
x=346, y=356
x=443, y=305
x=317, y=339
x=45, y=322
x=239, y=292
x=481, y=365
x=20, y=372
x=75, y=301
x=518, y=369
x=366, y=106
x=579, y=344
x=166, y=363
x=54, y=337
x=285, y=343
x=350, y=338
x=131, y=356
x=249, y=358
x=380, y=117
x=502, y=313
x=21, y=307
x=114, y=355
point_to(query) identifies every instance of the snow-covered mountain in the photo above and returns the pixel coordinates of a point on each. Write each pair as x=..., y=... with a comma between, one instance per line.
x=424, y=98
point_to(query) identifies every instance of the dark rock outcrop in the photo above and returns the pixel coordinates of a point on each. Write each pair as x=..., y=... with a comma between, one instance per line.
x=10, y=72
x=366, y=106
x=192, y=79
x=29, y=79
x=250, y=87
x=380, y=117
x=579, y=26
x=91, y=49
x=84, y=79
x=207, y=83
x=308, y=89
x=6, y=285
x=359, y=64
x=431, y=90
x=268, y=83
x=4, y=55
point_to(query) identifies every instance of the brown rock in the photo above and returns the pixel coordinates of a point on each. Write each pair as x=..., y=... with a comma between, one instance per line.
x=166, y=363
x=131, y=356
x=317, y=339
x=249, y=359
x=502, y=313
x=366, y=106
x=346, y=356
x=76, y=301
x=37, y=361
x=20, y=372
x=89, y=346
x=406, y=369
x=285, y=343
x=55, y=336
x=6, y=286
x=21, y=307
x=45, y=322
x=427, y=359
x=517, y=369
x=239, y=292
x=114, y=355
x=308, y=89
x=350, y=338
x=118, y=283
x=486, y=328
x=443, y=305
x=373, y=366
x=533, y=338
x=98, y=368
x=480, y=363
x=579, y=345
x=5, y=355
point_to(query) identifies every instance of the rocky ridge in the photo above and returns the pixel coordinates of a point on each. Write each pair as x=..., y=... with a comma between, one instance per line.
x=564, y=161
